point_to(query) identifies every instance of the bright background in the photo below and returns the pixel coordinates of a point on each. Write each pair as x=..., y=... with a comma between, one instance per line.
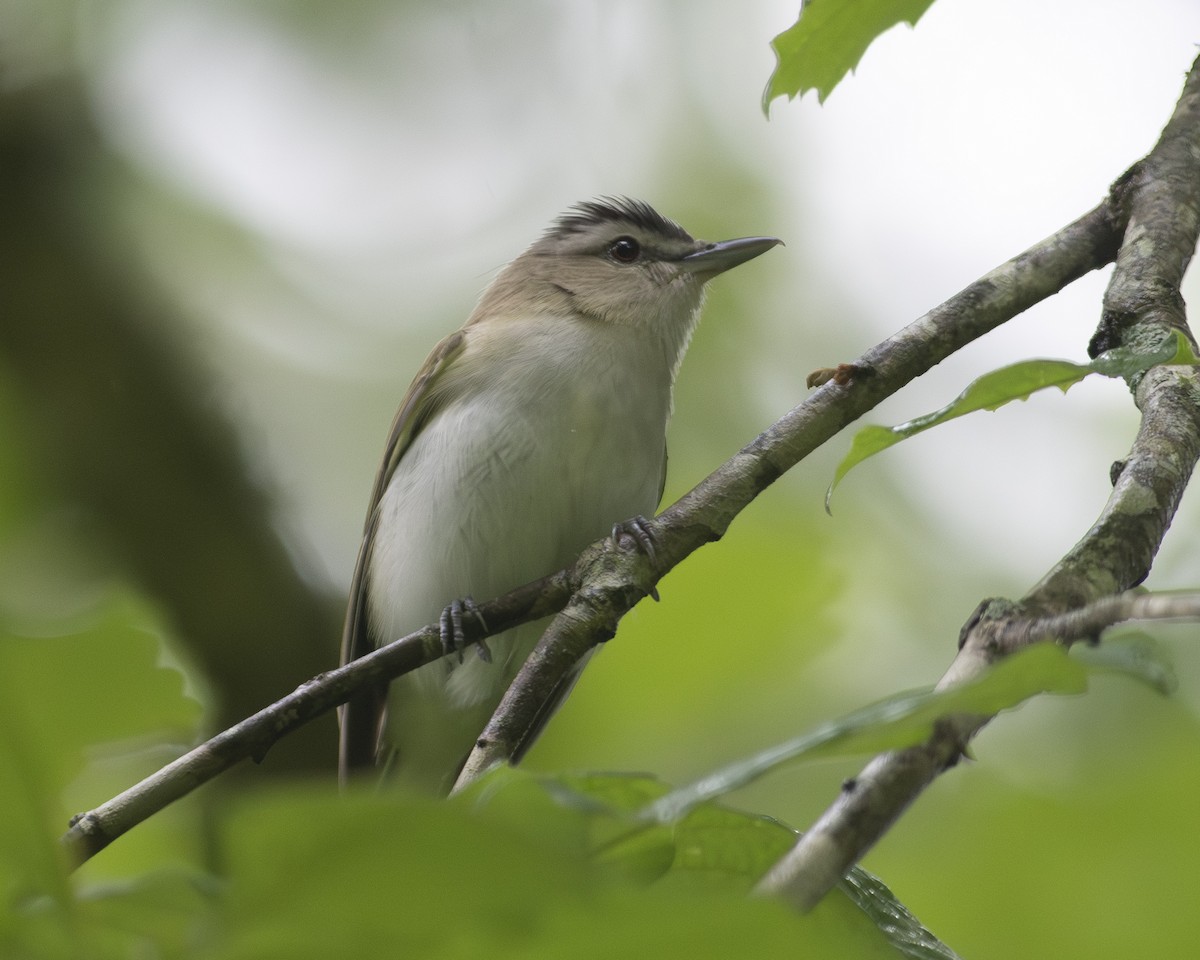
x=321, y=191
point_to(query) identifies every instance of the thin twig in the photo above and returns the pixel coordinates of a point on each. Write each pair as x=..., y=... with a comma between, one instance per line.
x=1162, y=197
x=700, y=516
x=94, y=830
x=611, y=582
x=704, y=514
x=1087, y=623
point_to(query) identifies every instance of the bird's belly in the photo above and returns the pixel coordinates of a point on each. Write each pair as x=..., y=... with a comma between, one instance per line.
x=480, y=504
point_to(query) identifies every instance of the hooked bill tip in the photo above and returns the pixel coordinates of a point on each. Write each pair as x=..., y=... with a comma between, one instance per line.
x=714, y=258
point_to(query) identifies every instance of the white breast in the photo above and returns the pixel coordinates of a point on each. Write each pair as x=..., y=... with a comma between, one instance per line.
x=542, y=454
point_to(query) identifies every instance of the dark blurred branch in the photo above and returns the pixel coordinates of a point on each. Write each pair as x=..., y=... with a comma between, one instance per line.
x=1160, y=197
x=127, y=429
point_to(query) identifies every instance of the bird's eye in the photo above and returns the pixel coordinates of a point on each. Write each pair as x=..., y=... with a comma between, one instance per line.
x=624, y=250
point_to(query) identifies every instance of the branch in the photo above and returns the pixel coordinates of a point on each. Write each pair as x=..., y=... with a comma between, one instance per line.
x=613, y=581
x=705, y=513
x=91, y=832
x=1162, y=197
x=1088, y=622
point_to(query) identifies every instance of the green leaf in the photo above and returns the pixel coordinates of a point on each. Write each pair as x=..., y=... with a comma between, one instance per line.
x=424, y=877
x=829, y=39
x=728, y=848
x=97, y=679
x=1184, y=356
x=311, y=874
x=906, y=932
x=63, y=691
x=715, y=849
x=710, y=846
x=162, y=914
x=899, y=721
x=1173, y=350
x=1017, y=381
x=1132, y=654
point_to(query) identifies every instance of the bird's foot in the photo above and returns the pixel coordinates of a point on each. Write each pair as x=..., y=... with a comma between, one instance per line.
x=638, y=530
x=454, y=630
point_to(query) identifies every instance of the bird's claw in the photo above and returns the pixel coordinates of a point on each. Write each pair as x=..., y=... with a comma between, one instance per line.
x=639, y=530
x=454, y=631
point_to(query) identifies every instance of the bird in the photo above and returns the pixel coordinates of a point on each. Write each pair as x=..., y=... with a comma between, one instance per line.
x=526, y=436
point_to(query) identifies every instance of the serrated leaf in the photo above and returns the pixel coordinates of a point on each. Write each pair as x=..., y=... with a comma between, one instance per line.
x=1017, y=381
x=827, y=41
x=900, y=721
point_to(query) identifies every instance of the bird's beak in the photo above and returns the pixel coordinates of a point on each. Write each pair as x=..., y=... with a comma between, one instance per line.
x=714, y=258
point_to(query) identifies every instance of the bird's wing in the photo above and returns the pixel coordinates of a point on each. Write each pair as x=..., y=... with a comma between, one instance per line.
x=363, y=715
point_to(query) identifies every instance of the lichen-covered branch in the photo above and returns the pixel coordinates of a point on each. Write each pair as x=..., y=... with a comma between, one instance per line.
x=705, y=513
x=613, y=581
x=1160, y=200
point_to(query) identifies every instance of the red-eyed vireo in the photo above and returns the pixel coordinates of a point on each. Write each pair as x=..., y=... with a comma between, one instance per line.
x=525, y=436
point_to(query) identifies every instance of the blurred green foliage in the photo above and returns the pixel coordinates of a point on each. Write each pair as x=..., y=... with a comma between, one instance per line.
x=1072, y=834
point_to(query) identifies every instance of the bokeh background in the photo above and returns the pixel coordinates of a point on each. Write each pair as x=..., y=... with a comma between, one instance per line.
x=232, y=232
